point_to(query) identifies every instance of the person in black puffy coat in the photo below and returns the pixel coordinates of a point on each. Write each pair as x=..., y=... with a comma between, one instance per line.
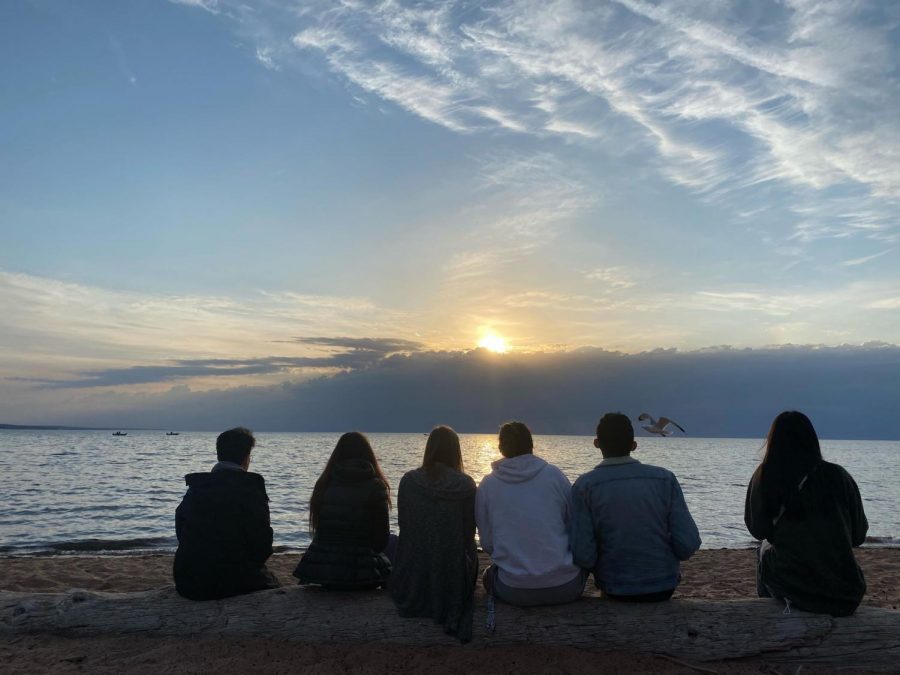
x=348, y=519
x=222, y=525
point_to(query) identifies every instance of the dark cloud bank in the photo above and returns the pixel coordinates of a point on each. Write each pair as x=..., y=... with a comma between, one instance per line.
x=850, y=392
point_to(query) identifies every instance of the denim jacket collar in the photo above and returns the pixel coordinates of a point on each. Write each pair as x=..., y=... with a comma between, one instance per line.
x=613, y=461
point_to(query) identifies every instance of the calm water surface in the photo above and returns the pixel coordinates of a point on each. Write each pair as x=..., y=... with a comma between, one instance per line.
x=89, y=491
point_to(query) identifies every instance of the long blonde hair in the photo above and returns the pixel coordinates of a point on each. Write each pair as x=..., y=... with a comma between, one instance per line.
x=442, y=447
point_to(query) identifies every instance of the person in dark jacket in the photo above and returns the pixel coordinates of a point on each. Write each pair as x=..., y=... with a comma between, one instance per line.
x=436, y=562
x=348, y=520
x=809, y=516
x=222, y=525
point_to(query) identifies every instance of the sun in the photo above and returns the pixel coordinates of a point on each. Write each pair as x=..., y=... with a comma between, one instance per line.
x=494, y=343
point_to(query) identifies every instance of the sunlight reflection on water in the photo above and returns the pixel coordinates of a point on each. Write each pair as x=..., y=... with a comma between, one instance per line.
x=66, y=486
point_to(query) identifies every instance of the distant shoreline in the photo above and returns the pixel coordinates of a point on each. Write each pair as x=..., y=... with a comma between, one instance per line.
x=56, y=427
x=638, y=434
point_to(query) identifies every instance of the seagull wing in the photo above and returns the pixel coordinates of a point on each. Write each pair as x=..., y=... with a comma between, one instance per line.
x=645, y=416
x=663, y=421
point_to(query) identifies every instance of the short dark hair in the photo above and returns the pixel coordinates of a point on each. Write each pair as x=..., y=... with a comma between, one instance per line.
x=615, y=434
x=234, y=445
x=515, y=439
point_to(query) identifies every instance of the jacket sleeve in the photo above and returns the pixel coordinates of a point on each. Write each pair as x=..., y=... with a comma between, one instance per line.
x=483, y=519
x=469, y=519
x=259, y=530
x=859, y=525
x=582, y=539
x=565, y=489
x=180, y=516
x=379, y=521
x=682, y=528
x=758, y=523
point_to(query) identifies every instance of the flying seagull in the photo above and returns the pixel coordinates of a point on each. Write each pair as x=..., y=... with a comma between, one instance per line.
x=659, y=426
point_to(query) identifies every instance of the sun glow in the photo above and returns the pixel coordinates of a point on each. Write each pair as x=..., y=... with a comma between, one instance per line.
x=494, y=343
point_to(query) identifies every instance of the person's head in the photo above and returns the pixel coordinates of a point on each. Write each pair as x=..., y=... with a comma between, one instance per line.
x=615, y=435
x=350, y=446
x=235, y=445
x=792, y=441
x=791, y=450
x=515, y=439
x=442, y=447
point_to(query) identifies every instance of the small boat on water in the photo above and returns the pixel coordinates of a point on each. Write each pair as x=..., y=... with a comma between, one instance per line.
x=119, y=433
x=172, y=433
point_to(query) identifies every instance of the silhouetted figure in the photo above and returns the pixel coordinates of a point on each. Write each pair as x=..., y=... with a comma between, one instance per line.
x=222, y=524
x=631, y=524
x=348, y=518
x=809, y=516
x=436, y=563
x=523, y=509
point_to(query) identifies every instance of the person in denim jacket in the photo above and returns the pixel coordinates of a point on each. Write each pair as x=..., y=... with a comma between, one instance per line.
x=630, y=523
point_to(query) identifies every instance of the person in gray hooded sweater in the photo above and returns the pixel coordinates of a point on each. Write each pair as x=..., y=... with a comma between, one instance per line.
x=523, y=508
x=436, y=563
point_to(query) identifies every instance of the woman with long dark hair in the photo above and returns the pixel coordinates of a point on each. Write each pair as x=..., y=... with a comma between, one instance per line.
x=809, y=516
x=348, y=520
x=436, y=562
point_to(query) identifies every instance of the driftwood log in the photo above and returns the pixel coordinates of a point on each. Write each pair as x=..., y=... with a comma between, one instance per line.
x=686, y=629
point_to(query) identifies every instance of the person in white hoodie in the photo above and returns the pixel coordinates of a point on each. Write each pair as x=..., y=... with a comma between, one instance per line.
x=522, y=509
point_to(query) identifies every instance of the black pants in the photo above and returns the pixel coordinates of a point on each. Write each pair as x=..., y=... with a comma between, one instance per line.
x=659, y=596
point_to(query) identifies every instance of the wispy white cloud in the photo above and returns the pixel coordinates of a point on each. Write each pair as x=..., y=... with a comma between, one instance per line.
x=612, y=277
x=885, y=303
x=211, y=6
x=264, y=56
x=52, y=326
x=797, y=94
x=793, y=96
x=525, y=202
x=862, y=261
x=779, y=113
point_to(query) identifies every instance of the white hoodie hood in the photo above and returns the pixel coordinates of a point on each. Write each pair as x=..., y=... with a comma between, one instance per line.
x=522, y=509
x=518, y=469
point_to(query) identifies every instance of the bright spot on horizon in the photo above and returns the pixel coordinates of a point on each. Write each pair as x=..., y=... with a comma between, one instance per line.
x=494, y=343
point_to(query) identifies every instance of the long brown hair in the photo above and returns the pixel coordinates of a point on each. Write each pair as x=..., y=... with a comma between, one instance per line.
x=352, y=445
x=442, y=447
x=792, y=450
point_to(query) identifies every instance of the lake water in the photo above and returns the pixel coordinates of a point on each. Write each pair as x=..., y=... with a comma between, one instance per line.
x=70, y=491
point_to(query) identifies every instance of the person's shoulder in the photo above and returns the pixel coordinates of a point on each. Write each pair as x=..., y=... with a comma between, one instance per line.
x=552, y=470
x=378, y=487
x=468, y=481
x=487, y=480
x=255, y=479
x=251, y=484
x=659, y=472
x=836, y=472
x=587, y=478
x=197, y=479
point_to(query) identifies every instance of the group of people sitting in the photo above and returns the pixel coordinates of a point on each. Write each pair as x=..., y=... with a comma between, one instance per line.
x=625, y=522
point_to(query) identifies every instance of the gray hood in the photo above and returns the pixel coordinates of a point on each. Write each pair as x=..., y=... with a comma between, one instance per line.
x=449, y=484
x=518, y=469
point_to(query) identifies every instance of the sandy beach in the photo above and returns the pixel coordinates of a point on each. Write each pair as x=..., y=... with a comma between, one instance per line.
x=710, y=574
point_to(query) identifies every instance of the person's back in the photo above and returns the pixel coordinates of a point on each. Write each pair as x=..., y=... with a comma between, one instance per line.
x=810, y=528
x=436, y=563
x=631, y=524
x=350, y=518
x=523, y=509
x=222, y=525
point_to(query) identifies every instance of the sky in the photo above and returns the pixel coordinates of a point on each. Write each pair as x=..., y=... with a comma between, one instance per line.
x=217, y=209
